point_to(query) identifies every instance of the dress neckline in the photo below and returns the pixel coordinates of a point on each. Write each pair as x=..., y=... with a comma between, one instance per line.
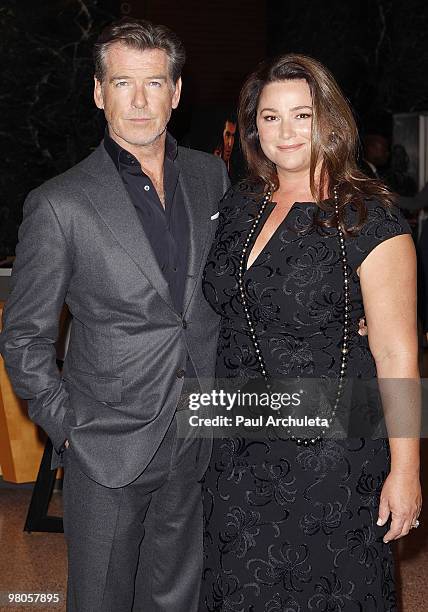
x=269, y=209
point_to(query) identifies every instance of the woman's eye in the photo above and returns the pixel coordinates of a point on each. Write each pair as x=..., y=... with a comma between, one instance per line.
x=304, y=116
x=270, y=117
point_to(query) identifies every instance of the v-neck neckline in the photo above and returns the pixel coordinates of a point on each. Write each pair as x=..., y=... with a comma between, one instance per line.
x=270, y=209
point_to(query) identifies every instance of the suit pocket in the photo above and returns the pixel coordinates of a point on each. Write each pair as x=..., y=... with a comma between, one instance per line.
x=101, y=388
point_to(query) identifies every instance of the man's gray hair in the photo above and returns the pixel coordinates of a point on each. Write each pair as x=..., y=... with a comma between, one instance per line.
x=142, y=35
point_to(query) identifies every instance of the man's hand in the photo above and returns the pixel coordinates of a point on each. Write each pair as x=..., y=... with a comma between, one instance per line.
x=362, y=327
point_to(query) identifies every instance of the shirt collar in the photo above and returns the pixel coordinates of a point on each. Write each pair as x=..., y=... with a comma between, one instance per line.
x=120, y=155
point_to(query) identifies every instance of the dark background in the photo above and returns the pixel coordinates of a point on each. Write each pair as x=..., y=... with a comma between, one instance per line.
x=376, y=49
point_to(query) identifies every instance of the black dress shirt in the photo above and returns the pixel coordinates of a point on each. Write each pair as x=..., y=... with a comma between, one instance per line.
x=166, y=228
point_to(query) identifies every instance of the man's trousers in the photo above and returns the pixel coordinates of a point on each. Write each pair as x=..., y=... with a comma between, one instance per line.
x=137, y=548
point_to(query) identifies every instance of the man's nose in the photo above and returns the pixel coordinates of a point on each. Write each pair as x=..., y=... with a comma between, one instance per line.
x=139, y=99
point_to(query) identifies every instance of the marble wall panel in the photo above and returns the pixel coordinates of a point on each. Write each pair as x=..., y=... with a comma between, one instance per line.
x=377, y=50
x=48, y=120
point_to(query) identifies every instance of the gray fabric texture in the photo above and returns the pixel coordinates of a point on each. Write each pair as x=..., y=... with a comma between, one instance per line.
x=81, y=243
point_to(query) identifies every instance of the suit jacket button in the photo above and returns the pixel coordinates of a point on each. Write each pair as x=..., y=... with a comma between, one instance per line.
x=184, y=323
x=181, y=373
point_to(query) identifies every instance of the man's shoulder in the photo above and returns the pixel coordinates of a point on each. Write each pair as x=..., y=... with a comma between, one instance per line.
x=198, y=159
x=72, y=179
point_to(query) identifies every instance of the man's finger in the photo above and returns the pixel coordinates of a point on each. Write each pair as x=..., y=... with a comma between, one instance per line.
x=362, y=327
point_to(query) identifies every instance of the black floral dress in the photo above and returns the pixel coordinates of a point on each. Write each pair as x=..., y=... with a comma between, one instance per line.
x=291, y=528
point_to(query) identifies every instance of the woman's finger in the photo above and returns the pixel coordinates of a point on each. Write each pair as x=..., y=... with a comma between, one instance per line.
x=405, y=530
x=396, y=527
x=383, y=511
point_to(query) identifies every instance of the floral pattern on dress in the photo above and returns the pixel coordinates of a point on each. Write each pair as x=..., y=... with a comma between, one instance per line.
x=291, y=528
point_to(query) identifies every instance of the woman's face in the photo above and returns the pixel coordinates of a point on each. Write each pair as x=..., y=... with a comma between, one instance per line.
x=284, y=120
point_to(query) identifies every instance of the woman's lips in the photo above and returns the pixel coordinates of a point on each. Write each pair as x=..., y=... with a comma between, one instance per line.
x=290, y=147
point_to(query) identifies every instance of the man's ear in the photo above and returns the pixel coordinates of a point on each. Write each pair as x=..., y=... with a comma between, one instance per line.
x=98, y=93
x=177, y=93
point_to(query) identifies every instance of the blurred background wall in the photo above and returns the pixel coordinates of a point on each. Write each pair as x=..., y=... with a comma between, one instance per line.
x=375, y=48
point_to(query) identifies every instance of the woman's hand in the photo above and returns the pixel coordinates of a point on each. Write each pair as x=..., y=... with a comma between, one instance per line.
x=401, y=497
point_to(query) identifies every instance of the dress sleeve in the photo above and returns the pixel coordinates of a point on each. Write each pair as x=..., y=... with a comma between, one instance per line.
x=382, y=223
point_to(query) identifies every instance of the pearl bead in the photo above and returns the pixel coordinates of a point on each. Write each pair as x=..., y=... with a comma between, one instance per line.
x=347, y=307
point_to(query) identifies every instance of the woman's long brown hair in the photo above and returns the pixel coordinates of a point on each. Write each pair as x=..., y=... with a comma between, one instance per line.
x=334, y=137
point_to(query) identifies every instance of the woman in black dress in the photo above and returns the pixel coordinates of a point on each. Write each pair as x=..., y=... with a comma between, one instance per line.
x=304, y=249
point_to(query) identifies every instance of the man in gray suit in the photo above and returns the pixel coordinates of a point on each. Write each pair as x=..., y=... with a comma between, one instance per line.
x=121, y=238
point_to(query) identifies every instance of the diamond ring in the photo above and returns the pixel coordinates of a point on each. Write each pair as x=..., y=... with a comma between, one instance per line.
x=415, y=524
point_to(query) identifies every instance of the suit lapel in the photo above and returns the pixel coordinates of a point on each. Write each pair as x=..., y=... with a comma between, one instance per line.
x=110, y=198
x=196, y=202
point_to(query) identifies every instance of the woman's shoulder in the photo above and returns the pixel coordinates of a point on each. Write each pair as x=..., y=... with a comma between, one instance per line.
x=243, y=190
x=379, y=222
x=379, y=219
x=239, y=195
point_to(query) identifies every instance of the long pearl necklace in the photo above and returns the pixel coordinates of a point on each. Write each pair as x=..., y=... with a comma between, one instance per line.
x=346, y=311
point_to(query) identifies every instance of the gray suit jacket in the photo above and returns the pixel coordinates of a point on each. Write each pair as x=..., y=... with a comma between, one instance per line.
x=81, y=242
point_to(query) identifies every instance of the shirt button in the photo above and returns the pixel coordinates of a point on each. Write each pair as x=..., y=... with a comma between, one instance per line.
x=180, y=373
x=146, y=188
x=184, y=323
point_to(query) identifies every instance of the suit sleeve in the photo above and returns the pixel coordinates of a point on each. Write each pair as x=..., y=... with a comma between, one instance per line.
x=40, y=278
x=225, y=177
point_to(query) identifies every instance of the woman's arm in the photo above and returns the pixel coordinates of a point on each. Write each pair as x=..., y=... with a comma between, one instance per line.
x=388, y=284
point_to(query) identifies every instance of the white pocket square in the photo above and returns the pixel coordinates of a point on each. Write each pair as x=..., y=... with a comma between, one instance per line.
x=215, y=216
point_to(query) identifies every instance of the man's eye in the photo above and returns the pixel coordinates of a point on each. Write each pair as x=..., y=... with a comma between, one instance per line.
x=121, y=83
x=155, y=84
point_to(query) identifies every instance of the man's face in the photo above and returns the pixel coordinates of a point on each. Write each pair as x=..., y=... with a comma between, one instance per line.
x=137, y=94
x=377, y=150
x=228, y=138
